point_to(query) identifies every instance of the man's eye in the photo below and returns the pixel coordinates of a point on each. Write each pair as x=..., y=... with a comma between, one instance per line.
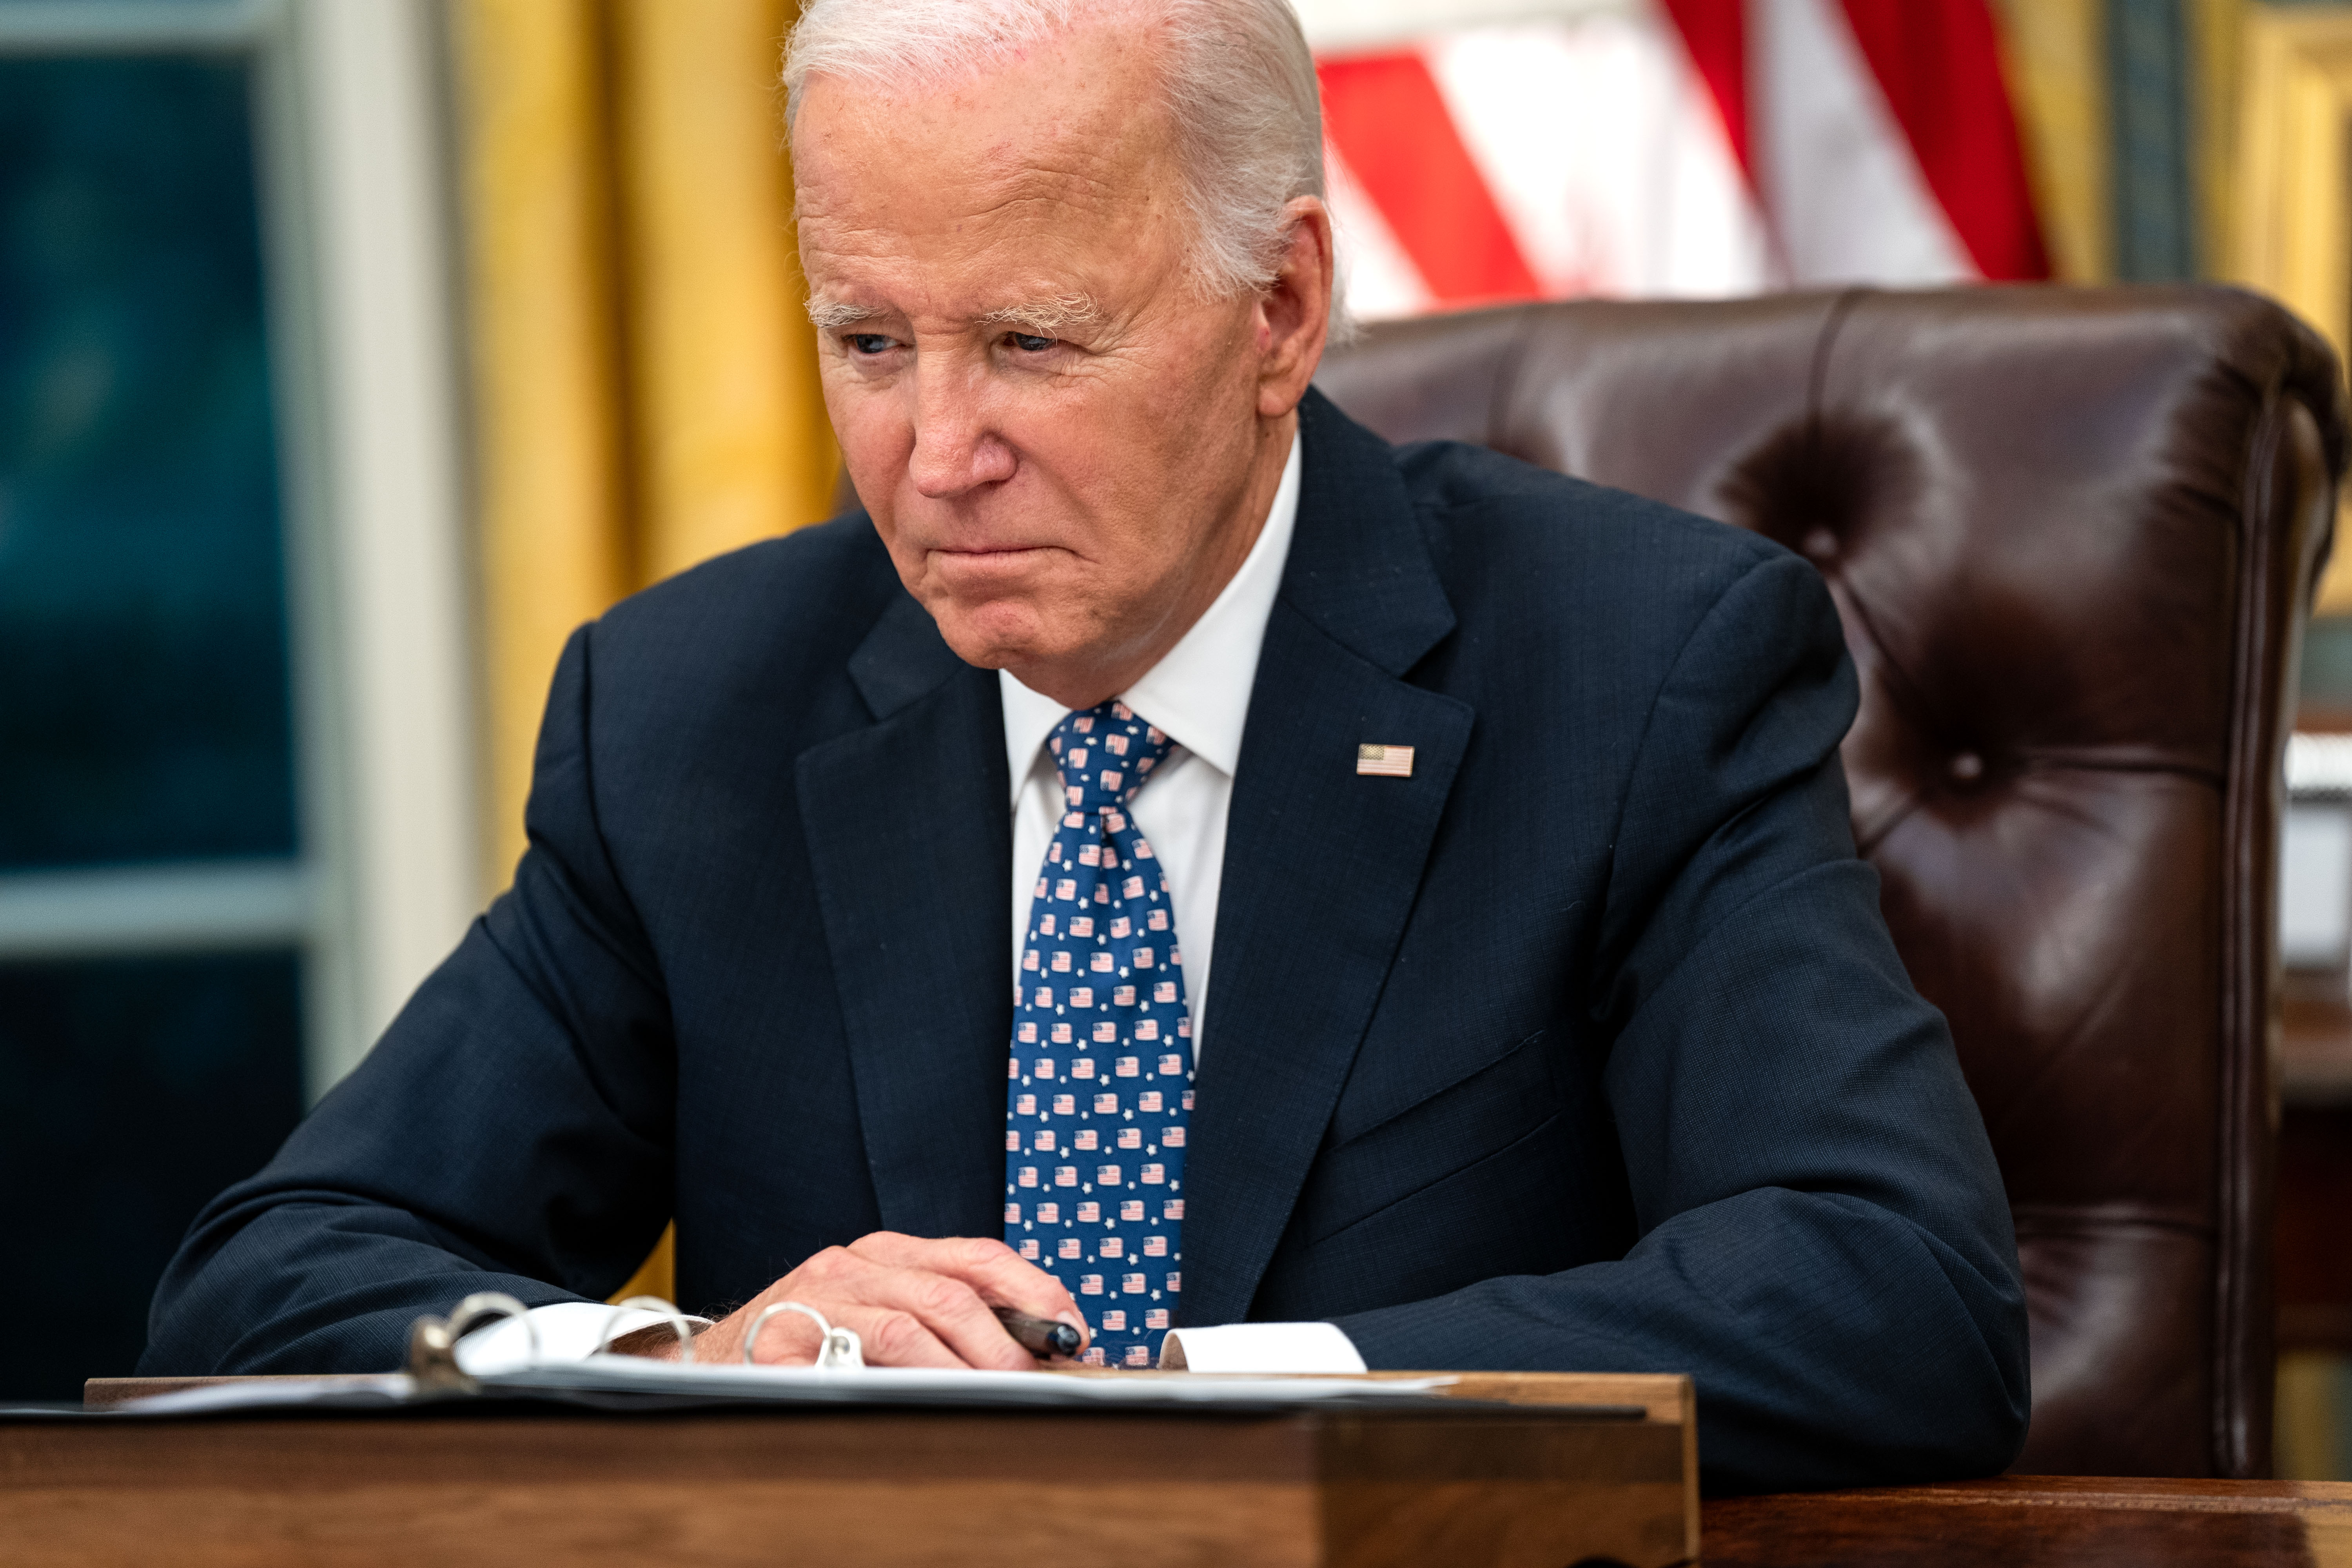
x=1029, y=343
x=870, y=342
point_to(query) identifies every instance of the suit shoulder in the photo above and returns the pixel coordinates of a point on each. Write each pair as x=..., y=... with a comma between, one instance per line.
x=1547, y=573
x=819, y=587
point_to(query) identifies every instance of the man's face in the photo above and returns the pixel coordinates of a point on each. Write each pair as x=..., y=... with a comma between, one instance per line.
x=1059, y=438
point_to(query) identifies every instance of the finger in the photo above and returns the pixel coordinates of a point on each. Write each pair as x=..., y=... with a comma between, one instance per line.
x=788, y=1338
x=949, y=1310
x=999, y=1275
x=890, y=1336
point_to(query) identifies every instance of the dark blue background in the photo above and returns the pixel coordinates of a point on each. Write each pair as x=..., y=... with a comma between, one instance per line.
x=144, y=711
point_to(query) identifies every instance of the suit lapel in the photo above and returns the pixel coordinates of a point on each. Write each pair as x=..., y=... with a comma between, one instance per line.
x=911, y=838
x=1321, y=863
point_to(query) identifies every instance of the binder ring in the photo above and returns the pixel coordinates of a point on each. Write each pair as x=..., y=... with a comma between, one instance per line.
x=667, y=1308
x=432, y=1342
x=840, y=1349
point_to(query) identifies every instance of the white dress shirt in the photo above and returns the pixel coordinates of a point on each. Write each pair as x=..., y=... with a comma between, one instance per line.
x=1198, y=695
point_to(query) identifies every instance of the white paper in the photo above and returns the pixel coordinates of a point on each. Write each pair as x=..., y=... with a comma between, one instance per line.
x=615, y=1374
x=1261, y=1348
x=807, y=1385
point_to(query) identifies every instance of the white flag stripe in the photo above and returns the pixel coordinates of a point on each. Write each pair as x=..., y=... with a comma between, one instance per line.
x=1380, y=280
x=1605, y=155
x=1848, y=203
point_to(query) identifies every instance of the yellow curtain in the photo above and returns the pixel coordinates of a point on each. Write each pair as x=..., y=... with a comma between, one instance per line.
x=645, y=389
x=2290, y=217
x=2055, y=55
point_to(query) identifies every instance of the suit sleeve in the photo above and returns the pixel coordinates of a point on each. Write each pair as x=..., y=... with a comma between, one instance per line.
x=1824, y=1244
x=510, y=1131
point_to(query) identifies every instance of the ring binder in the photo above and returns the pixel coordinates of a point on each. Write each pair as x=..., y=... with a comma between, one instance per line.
x=433, y=1342
x=840, y=1349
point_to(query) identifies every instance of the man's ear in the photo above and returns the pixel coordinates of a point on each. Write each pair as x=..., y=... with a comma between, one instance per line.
x=1295, y=311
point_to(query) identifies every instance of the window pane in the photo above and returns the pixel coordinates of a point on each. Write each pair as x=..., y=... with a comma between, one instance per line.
x=131, y=1091
x=143, y=691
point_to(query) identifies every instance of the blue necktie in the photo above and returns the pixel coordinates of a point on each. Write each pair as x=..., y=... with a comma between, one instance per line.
x=1100, y=1084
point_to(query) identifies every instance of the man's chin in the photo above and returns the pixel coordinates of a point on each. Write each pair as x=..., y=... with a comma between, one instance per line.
x=993, y=640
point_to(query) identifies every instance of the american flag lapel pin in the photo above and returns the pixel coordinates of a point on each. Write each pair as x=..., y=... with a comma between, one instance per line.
x=1384, y=761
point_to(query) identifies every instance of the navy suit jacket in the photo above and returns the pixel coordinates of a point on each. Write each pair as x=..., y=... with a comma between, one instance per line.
x=1584, y=1047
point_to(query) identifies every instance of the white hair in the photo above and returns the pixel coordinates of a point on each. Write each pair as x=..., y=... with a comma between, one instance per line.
x=1238, y=81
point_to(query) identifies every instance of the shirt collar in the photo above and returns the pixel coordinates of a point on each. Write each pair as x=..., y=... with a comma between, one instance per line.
x=1198, y=692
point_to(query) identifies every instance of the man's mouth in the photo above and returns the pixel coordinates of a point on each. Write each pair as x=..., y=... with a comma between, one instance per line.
x=988, y=558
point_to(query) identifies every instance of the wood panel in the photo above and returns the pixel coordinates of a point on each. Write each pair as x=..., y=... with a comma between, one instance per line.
x=1524, y=1489
x=2026, y=1521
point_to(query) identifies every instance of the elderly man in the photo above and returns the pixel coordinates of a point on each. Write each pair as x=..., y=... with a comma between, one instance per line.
x=889, y=883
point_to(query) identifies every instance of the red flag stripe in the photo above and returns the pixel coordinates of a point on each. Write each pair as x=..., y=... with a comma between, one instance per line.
x=1389, y=120
x=1715, y=36
x=1939, y=64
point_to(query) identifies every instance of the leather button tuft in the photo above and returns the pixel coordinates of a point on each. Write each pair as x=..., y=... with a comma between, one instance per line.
x=1821, y=544
x=1968, y=767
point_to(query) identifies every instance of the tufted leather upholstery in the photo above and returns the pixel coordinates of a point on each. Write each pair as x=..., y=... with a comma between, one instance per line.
x=2072, y=533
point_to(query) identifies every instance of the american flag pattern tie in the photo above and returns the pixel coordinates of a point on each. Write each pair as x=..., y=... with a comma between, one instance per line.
x=1099, y=1085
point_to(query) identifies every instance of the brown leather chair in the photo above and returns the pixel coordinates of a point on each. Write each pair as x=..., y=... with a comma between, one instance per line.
x=2072, y=534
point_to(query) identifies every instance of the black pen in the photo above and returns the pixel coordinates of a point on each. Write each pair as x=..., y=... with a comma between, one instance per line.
x=1038, y=1336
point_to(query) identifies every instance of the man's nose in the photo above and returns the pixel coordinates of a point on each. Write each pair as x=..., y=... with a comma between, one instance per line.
x=957, y=447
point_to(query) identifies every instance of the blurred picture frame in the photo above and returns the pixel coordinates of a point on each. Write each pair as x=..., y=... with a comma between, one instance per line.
x=2290, y=217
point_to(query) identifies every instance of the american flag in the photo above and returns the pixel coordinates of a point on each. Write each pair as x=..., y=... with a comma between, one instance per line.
x=1667, y=147
x=1384, y=761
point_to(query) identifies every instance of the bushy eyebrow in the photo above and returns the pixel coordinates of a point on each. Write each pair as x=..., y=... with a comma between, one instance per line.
x=1046, y=318
x=1043, y=318
x=832, y=315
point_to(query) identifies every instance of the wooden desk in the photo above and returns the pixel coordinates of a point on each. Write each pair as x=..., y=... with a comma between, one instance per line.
x=1518, y=1488
x=879, y=1489
x=2022, y=1521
